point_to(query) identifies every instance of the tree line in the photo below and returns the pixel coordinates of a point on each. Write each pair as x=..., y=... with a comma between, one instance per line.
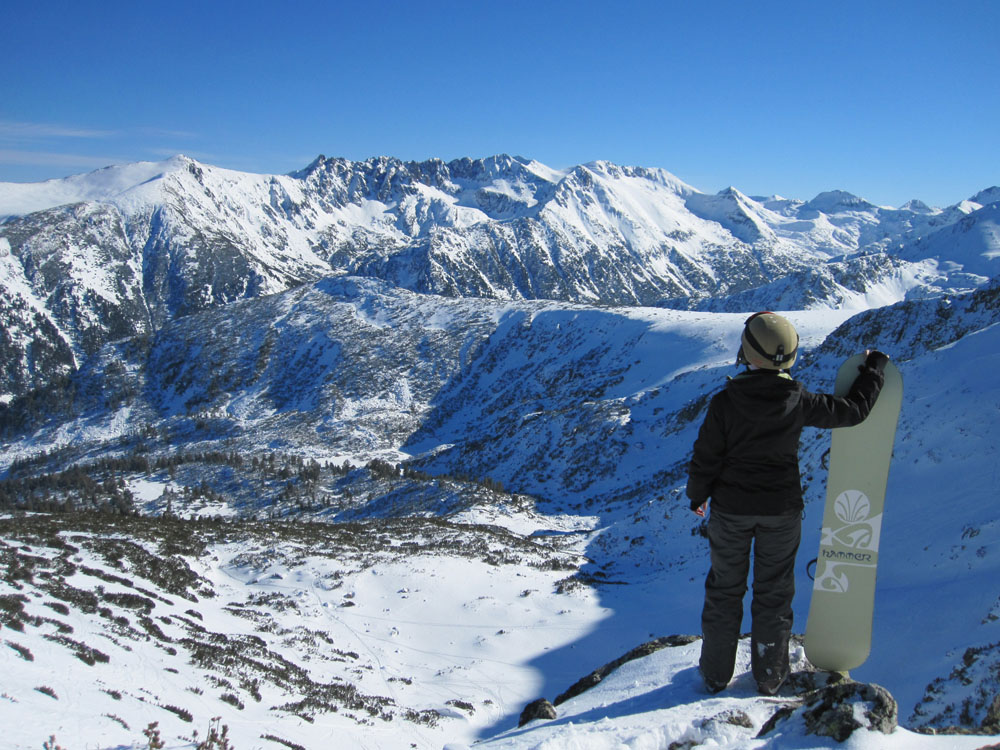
x=101, y=484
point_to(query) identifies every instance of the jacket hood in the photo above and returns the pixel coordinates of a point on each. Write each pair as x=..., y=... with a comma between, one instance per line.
x=764, y=394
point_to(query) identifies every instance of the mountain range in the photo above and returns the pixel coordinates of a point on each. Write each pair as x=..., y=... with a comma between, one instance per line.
x=123, y=251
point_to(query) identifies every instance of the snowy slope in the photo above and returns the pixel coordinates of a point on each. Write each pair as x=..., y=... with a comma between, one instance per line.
x=292, y=637
x=592, y=412
x=18, y=199
x=944, y=469
x=972, y=244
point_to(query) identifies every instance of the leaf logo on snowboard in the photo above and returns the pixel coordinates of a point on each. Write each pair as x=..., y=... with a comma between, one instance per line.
x=854, y=543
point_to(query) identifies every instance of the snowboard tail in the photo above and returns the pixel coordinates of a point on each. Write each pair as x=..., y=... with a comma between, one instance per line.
x=839, y=628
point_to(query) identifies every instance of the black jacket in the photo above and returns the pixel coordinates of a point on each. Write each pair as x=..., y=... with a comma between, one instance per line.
x=746, y=455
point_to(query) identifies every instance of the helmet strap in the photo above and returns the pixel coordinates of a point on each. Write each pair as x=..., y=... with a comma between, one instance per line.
x=779, y=358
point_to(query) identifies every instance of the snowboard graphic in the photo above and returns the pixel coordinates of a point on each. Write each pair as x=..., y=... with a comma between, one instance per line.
x=839, y=628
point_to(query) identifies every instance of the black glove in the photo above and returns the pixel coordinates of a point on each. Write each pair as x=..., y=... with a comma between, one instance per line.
x=876, y=360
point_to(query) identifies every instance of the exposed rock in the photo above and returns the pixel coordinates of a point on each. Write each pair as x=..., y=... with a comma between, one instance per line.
x=595, y=677
x=833, y=714
x=777, y=717
x=538, y=709
x=837, y=710
x=807, y=681
x=977, y=677
x=733, y=717
x=993, y=715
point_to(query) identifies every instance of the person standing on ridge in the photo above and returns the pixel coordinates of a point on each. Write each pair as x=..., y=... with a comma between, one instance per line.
x=746, y=460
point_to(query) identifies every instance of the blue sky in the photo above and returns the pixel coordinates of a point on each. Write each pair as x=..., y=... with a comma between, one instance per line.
x=888, y=100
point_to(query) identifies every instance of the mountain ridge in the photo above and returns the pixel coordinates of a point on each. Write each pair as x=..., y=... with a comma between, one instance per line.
x=145, y=243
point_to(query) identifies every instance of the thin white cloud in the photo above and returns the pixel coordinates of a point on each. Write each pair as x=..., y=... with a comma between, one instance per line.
x=49, y=159
x=165, y=133
x=166, y=153
x=10, y=129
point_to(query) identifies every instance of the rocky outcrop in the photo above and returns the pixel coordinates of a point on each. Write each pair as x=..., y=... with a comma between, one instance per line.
x=828, y=703
x=977, y=677
x=838, y=710
x=650, y=647
x=537, y=709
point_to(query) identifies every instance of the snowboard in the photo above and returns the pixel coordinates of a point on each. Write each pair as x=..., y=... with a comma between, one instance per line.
x=839, y=628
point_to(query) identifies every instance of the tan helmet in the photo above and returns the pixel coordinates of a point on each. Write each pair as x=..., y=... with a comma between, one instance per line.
x=769, y=341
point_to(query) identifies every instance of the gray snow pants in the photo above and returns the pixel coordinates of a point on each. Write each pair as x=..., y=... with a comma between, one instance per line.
x=775, y=542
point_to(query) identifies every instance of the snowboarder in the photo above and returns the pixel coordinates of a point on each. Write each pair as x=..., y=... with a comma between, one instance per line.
x=746, y=460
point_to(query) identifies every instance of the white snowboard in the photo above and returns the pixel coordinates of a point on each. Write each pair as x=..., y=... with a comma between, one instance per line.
x=839, y=628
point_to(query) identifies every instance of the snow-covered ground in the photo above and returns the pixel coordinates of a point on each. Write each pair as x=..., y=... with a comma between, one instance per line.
x=655, y=701
x=475, y=640
x=471, y=640
x=384, y=632
x=443, y=642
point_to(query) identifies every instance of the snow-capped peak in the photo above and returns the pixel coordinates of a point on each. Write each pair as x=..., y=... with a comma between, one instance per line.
x=18, y=198
x=741, y=215
x=837, y=201
x=917, y=206
x=987, y=196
